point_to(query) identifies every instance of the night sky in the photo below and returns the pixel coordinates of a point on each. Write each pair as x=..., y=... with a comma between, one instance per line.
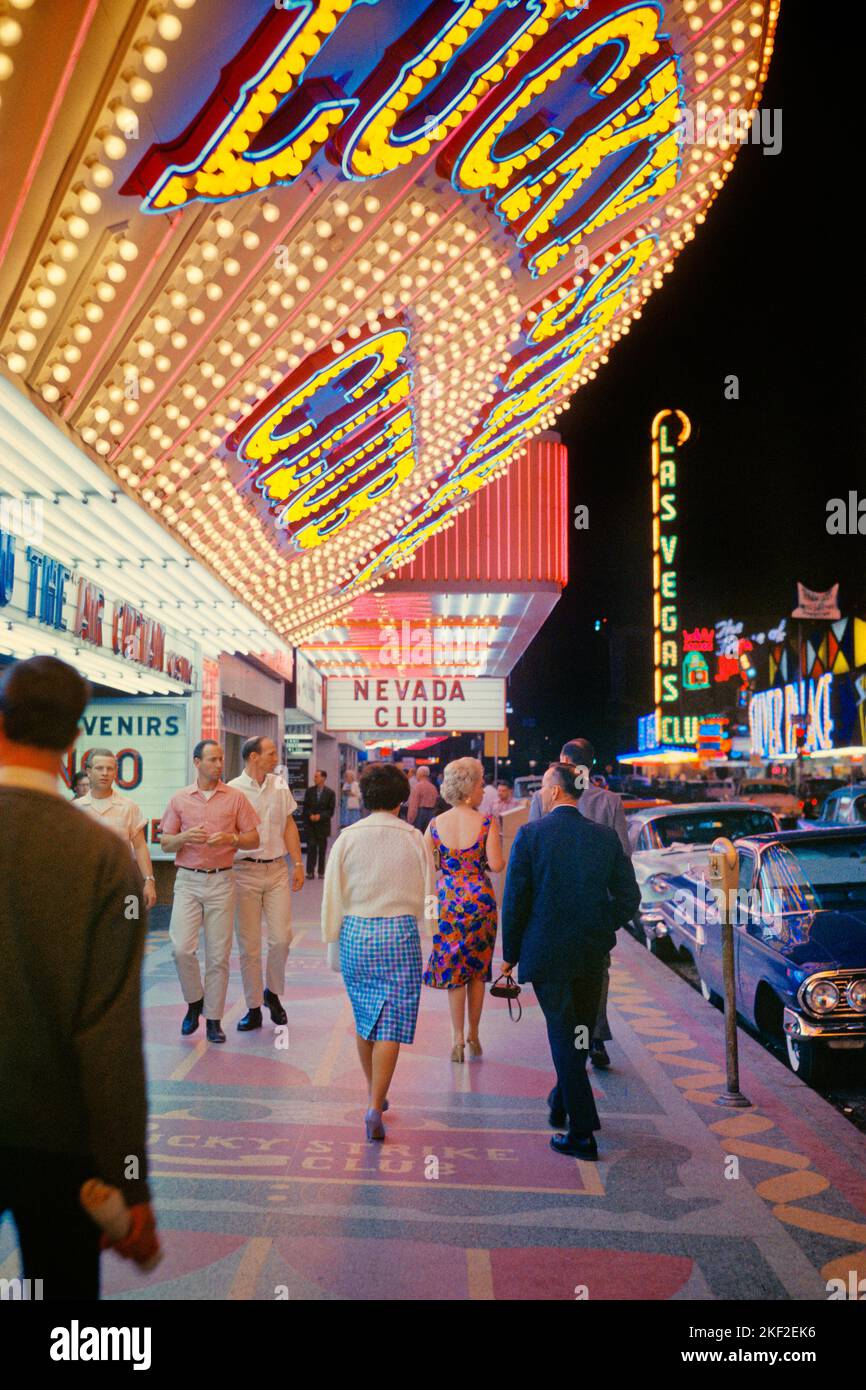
x=768, y=290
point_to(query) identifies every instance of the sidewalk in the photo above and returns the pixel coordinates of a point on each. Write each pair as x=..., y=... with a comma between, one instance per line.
x=266, y=1188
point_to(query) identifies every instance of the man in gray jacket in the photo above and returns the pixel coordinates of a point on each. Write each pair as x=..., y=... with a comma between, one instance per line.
x=605, y=808
x=72, y=925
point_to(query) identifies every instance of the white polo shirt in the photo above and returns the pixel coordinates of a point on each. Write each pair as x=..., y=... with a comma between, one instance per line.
x=273, y=803
x=117, y=812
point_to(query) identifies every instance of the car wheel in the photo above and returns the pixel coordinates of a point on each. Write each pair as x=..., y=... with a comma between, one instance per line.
x=710, y=994
x=808, y=1060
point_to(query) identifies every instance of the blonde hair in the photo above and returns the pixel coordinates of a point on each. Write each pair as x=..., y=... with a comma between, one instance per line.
x=459, y=778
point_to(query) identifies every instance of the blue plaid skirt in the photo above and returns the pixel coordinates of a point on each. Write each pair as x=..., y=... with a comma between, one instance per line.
x=380, y=960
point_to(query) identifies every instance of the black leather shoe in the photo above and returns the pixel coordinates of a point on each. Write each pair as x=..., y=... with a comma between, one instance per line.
x=193, y=1014
x=214, y=1031
x=251, y=1019
x=575, y=1146
x=275, y=1008
x=598, y=1055
x=557, y=1118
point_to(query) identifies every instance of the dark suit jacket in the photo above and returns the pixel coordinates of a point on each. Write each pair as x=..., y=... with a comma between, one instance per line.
x=569, y=887
x=325, y=810
x=72, y=928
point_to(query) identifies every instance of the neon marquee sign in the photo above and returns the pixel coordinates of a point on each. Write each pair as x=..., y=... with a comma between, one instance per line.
x=670, y=430
x=775, y=715
x=557, y=125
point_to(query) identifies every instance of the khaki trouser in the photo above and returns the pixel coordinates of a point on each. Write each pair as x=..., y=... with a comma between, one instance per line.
x=263, y=891
x=203, y=900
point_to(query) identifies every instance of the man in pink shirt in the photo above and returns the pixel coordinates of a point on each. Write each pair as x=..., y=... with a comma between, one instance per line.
x=203, y=827
x=422, y=800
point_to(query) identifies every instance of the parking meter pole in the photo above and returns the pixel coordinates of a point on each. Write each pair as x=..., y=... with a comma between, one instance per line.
x=723, y=875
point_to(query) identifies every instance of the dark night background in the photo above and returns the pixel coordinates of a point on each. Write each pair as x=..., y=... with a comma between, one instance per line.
x=769, y=290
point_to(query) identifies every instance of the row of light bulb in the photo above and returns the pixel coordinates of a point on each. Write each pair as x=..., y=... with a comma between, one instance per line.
x=73, y=227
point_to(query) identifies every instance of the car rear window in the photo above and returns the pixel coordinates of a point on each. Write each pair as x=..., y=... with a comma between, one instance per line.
x=704, y=827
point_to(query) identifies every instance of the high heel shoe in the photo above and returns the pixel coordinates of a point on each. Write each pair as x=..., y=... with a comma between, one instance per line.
x=457, y=1052
x=375, y=1128
x=475, y=1048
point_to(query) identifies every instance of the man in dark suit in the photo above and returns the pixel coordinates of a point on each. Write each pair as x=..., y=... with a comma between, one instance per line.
x=569, y=886
x=320, y=803
x=72, y=927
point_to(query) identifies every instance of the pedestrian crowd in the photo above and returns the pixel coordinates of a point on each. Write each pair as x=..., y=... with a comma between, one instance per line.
x=413, y=860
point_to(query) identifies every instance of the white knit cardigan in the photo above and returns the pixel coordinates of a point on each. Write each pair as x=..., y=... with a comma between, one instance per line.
x=379, y=867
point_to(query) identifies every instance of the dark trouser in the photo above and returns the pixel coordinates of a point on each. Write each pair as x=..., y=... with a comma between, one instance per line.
x=317, y=843
x=601, y=1032
x=423, y=817
x=567, y=1005
x=59, y=1243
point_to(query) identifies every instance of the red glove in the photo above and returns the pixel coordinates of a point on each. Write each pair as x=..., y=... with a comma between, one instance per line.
x=141, y=1242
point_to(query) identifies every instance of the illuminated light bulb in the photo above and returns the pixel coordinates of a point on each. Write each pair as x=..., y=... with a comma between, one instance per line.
x=270, y=212
x=209, y=252
x=45, y=297
x=127, y=249
x=214, y=291
x=140, y=90
x=324, y=229
x=77, y=227
x=94, y=313
x=116, y=272
x=61, y=372
x=10, y=32
x=55, y=274
x=81, y=333
x=17, y=363
x=231, y=266
x=302, y=283
x=162, y=363
x=100, y=175
x=50, y=392
x=169, y=27
x=194, y=274
x=114, y=146
x=154, y=59
x=66, y=249
x=72, y=354
x=250, y=239
x=37, y=318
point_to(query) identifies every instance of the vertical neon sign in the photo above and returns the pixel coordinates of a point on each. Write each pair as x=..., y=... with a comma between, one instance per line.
x=670, y=430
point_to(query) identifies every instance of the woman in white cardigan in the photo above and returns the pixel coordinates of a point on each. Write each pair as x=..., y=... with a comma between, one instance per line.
x=380, y=886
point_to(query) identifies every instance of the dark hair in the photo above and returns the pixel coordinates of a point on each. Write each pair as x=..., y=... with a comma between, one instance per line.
x=98, y=753
x=579, y=750
x=504, y=783
x=202, y=745
x=252, y=745
x=77, y=777
x=321, y=773
x=42, y=700
x=565, y=780
x=384, y=788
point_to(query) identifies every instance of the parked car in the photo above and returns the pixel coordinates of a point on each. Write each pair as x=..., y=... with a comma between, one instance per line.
x=525, y=787
x=847, y=806
x=633, y=803
x=669, y=840
x=799, y=941
x=813, y=793
x=778, y=797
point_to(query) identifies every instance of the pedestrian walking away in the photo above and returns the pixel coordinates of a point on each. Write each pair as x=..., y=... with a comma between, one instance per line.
x=203, y=826
x=569, y=887
x=73, y=1106
x=263, y=890
x=605, y=808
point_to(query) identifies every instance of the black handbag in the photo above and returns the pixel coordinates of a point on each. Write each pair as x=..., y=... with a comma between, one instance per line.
x=506, y=988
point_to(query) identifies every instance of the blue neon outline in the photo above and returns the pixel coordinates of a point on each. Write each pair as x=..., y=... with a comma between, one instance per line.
x=535, y=8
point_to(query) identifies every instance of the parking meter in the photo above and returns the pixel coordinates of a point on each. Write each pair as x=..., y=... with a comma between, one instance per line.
x=723, y=874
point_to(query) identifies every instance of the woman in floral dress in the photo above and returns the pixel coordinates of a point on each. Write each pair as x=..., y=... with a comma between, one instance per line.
x=465, y=847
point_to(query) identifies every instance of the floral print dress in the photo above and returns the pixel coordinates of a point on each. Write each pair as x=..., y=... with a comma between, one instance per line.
x=463, y=944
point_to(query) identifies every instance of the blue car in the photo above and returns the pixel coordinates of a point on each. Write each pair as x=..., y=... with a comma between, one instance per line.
x=799, y=940
x=846, y=806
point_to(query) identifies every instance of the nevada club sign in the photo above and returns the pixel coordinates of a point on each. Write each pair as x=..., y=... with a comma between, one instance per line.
x=394, y=705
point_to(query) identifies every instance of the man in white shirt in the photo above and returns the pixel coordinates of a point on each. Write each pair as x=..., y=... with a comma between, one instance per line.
x=119, y=813
x=262, y=881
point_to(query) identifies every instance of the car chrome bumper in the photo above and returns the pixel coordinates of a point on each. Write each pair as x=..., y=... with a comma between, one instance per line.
x=652, y=922
x=848, y=1031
